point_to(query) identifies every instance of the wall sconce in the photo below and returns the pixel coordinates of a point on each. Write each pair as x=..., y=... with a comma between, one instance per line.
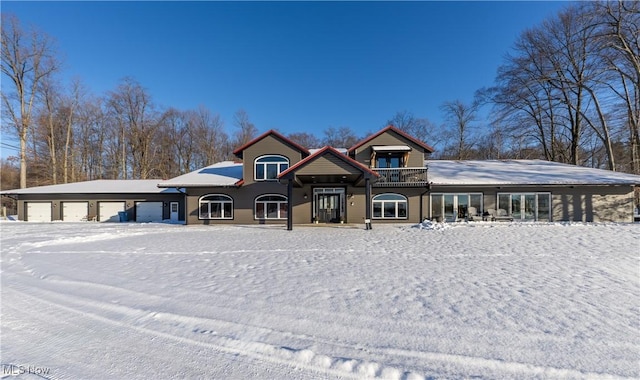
x=305, y=196
x=165, y=204
x=351, y=203
x=91, y=204
x=351, y=196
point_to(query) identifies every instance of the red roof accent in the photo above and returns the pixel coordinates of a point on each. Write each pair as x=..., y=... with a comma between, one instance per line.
x=238, y=151
x=240, y=182
x=335, y=152
x=396, y=130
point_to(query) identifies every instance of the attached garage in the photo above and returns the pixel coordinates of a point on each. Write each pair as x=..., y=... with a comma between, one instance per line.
x=108, y=211
x=75, y=211
x=149, y=211
x=38, y=211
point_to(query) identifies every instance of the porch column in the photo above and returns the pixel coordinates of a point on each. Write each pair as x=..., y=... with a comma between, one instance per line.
x=367, y=207
x=290, y=205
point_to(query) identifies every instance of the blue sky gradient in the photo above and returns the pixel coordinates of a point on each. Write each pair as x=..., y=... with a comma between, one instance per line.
x=293, y=66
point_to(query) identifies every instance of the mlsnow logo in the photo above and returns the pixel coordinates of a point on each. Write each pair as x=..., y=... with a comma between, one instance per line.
x=16, y=370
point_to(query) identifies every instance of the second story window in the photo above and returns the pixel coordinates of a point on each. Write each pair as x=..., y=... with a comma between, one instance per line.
x=268, y=167
x=390, y=160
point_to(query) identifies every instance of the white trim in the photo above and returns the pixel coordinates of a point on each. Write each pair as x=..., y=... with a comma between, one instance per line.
x=279, y=216
x=391, y=148
x=279, y=164
x=382, y=202
x=202, y=201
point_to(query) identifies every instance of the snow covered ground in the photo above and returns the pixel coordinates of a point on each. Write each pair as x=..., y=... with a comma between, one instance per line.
x=478, y=300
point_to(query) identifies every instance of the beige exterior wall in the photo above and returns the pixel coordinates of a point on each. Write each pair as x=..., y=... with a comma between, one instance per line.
x=416, y=156
x=267, y=146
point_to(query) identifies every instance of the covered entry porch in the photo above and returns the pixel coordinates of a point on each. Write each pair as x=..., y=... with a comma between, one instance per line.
x=329, y=174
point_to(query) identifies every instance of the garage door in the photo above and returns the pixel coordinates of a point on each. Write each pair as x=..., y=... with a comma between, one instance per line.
x=148, y=211
x=39, y=211
x=108, y=211
x=75, y=211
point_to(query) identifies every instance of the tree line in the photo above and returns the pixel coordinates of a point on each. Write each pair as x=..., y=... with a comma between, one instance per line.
x=569, y=91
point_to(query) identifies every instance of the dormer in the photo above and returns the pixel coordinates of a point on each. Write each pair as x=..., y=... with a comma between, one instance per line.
x=268, y=155
x=390, y=148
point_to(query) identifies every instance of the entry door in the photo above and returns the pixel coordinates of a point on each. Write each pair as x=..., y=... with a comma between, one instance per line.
x=328, y=208
x=174, y=211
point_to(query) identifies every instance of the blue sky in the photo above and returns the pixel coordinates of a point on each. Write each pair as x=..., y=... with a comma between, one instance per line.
x=293, y=66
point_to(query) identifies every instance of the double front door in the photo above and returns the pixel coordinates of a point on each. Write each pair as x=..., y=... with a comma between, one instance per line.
x=328, y=205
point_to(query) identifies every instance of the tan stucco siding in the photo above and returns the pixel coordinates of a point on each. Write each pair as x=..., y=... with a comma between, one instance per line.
x=267, y=146
x=416, y=156
x=327, y=164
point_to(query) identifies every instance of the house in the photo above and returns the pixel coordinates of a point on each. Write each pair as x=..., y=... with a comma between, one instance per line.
x=385, y=178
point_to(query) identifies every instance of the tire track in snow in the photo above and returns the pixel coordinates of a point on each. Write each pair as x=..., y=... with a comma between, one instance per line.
x=137, y=320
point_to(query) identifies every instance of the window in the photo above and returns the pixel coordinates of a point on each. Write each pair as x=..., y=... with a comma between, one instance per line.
x=390, y=206
x=216, y=206
x=390, y=160
x=271, y=207
x=526, y=206
x=268, y=167
x=452, y=207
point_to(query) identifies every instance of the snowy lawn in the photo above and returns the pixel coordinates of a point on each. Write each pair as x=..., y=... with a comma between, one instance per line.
x=479, y=300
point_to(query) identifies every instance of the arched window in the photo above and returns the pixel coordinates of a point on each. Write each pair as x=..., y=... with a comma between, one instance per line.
x=215, y=206
x=268, y=167
x=390, y=206
x=272, y=206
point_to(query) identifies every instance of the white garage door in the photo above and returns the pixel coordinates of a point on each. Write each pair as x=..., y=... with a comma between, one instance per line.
x=75, y=211
x=148, y=211
x=108, y=211
x=39, y=211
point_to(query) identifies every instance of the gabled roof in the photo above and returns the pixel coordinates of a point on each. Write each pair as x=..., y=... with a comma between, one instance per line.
x=328, y=150
x=522, y=172
x=221, y=174
x=396, y=130
x=98, y=186
x=238, y=151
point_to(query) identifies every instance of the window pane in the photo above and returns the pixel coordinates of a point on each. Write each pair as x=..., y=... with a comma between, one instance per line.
x=516, y=212
x=543, y=207
x=503, y=202
x=227, y=210
x=260, y=210
x=402, y=209
x=272, y=210
x=204, y=210
x=436, y=206
x=463, y=205
x=476, y=202
x=272, y=159
x=389, y=209
x=449, y=214
x=272, y=171
x=283, y=167
x=216, y=210
x=389, y=197
x=530, y=206
x=377, y=209
x=259, y=171
x=283, y=210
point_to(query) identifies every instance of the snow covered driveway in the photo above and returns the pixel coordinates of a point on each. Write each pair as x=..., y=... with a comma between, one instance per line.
x=484, y=300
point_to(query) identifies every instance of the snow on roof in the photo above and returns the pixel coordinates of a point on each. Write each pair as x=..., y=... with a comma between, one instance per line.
x=99, y=186
x=225, y=173
x=522, y=172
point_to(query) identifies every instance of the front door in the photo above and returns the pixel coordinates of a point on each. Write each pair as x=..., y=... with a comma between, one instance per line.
x=329, y=205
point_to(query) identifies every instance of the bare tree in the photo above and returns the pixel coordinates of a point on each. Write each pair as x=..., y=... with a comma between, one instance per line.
x=307, y=140
x=421, y=128
x=27, y=59
x=246, y=130
x=459, y=119
x=342, y=137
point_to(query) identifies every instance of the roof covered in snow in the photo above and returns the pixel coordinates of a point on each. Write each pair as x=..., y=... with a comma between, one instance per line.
x=226, y=173
x=99, y=186
x=522, y=172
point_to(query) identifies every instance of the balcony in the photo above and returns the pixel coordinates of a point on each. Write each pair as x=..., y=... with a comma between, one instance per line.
x=401, y=177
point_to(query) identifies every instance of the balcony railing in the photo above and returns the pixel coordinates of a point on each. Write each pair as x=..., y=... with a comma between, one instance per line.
x=401, y=177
